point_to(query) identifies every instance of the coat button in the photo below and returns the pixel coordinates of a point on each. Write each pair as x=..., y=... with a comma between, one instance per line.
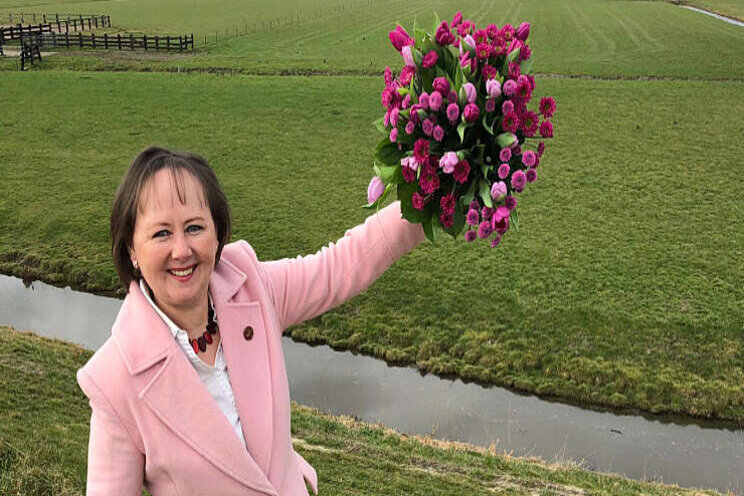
x=248, y=333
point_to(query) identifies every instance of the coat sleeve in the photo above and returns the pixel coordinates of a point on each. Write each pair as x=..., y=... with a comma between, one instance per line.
x=115, y=464
x=304, y=287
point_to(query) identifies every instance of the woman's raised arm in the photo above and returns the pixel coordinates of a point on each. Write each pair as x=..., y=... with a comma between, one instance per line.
x=304, y=287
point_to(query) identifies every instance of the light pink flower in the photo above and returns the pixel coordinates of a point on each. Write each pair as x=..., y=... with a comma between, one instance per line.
x=470, y=93
x=394, y=135
x=408, y=56
x=375, y=189
x=409, y=162
x=498, y=190
x=448, y=162
x=493, y=88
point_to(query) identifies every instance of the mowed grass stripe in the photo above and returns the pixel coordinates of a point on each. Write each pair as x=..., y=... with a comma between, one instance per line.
x=622, y=286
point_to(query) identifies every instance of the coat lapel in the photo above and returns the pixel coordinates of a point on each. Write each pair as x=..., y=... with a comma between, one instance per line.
x=246, y=350
x=176, y=395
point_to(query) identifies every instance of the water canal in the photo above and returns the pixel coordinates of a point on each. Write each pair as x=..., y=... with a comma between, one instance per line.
x=662, y=448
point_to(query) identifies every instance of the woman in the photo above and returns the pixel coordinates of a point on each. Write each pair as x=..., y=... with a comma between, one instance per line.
x=189, y=395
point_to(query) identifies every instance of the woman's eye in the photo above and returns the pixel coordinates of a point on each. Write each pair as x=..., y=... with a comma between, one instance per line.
x=161, y=233
x=194, y=228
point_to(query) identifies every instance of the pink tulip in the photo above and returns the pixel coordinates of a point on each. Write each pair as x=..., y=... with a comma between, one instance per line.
x=375, y=189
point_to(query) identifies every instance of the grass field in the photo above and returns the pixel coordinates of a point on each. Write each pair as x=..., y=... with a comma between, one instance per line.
x=609, y=38
x=622, y=286
x=46, y=451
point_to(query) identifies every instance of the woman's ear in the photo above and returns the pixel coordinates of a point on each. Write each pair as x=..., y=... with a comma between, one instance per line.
x=132, y=257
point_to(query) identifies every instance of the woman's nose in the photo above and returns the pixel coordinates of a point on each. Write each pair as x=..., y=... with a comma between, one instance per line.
x=181, y=247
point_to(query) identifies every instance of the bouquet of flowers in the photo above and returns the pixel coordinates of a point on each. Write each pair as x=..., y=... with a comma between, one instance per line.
x=456, y=128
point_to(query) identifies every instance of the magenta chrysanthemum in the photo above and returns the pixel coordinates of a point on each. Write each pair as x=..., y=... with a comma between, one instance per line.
x=472, y=218
x=505, y=155
x=429, y=181
x=510, y=122
x=462, y=169
x=484, y=229
x=547, y=107
x=546, y=129
x=503, y=170
x=531, y=175
x=470, y=236
x=528, y=158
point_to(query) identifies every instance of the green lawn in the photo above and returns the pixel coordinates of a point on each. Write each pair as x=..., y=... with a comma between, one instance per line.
x=622, y=286
x=589, y=37
x=45, y=451
x=730, y=8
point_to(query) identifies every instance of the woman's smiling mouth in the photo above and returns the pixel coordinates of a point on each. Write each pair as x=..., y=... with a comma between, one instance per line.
x=182, y=273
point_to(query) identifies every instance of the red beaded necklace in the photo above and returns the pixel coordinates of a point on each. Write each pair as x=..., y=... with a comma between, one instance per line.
x=200, y=343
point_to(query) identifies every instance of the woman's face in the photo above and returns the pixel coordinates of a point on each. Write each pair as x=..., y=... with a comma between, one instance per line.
x=175, y=242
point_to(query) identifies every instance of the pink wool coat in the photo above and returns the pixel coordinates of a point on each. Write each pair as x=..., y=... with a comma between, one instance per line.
x=153, y=421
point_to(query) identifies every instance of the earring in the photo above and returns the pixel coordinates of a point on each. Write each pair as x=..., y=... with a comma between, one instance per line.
x=135, y=264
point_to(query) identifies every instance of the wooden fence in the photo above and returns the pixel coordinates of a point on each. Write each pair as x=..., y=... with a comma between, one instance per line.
x=116, y=42
x=17, y=32
x=29, y=53
x=98, y=20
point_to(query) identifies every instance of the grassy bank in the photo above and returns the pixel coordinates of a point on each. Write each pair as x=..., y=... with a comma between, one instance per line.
x=45, y=430
x=621, y=288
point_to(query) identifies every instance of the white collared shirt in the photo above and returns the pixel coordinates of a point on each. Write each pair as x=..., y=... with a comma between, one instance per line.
x=214, y=378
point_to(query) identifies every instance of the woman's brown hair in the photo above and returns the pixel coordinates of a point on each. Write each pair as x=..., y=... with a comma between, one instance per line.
x=138, y=176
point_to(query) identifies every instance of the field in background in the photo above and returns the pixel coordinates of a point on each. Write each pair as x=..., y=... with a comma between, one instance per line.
x=620, y=288
x=612, y=38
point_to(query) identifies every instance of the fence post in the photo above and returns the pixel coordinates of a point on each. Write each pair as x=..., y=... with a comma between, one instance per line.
x=118, y=40
x=157, y=43
x=144, y=41
x=54, y=39
x=131, y=41
x=67, y=39
x=105, y=41
x=80, y=39
x=93, y=39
